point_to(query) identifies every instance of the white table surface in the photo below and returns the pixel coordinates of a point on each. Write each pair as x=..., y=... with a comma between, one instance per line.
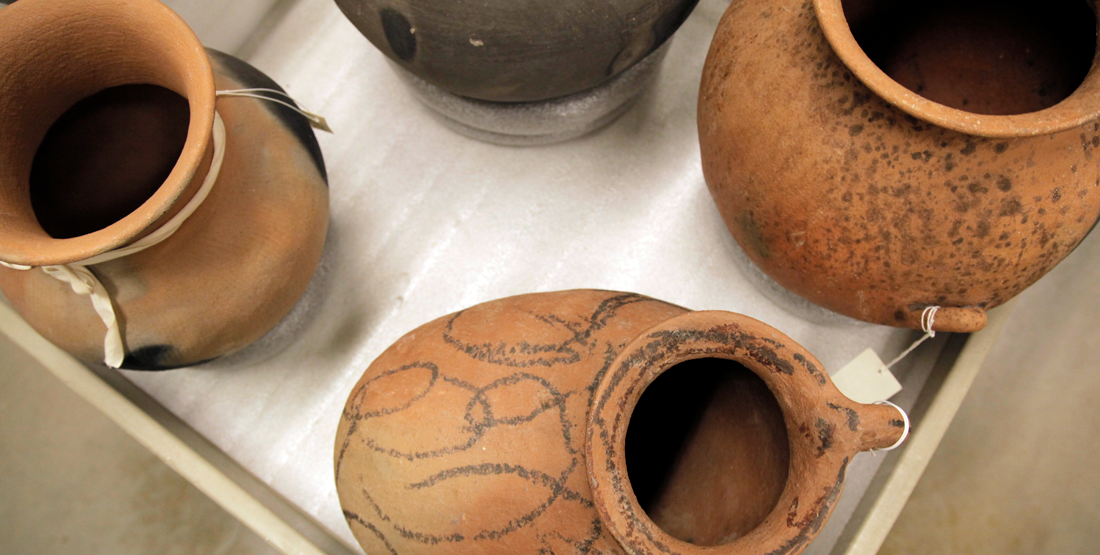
x=425, y=222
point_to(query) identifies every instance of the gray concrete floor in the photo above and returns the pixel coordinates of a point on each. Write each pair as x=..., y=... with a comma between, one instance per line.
x=1019, y=469
x=71, y=481
x=1017, y=472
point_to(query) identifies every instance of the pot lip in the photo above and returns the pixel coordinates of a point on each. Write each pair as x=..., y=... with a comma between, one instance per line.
x=1079, y=108
x=689, y=337
x=168, y=28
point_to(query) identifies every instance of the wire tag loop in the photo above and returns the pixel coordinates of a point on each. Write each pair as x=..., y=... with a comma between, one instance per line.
x=927, y=320
x=904, y=435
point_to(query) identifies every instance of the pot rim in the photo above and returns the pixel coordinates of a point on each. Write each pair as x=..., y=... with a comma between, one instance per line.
x=805, y=395
x=1082, y=106
x=96, y=44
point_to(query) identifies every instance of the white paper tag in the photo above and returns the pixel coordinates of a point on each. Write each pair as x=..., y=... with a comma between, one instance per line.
x=866, y=379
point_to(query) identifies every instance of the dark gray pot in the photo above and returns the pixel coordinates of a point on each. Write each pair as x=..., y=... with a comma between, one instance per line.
x=516, y=50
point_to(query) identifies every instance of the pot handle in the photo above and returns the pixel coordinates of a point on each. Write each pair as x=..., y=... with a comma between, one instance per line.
x=883, y=426
x=825, y=429
x=956, y=319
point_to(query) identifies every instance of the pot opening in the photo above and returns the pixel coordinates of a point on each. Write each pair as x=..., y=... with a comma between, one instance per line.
x=707, y=451
x=993, y=57
x=105, y=156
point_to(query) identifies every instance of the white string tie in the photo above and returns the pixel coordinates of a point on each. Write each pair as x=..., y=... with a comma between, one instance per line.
x=927, y=320
x=904, y=435
x=315, y=121
x=84, y=282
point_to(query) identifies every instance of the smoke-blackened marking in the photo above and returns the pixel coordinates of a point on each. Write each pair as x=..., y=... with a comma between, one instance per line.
x=810, y=367
x=816, y=515
x=825, y=432
x=853, y=416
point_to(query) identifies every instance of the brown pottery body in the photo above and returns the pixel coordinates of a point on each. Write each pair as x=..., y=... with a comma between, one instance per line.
x=878, y=160
x=107, y=109
x=503, y=429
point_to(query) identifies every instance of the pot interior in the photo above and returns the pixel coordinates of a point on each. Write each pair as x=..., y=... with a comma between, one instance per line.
x=994, y=57
x=707, y=451
x=105, y=156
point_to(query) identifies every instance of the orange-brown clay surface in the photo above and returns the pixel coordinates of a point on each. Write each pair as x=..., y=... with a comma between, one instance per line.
x=235, y=267
x=503, y=429
x=851, y=189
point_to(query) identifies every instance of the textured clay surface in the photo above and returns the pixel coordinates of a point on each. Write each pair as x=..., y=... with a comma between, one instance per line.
x=508, y=51
x=234, y=268
x=472, y=434
x=824, y=430
x=865, y=209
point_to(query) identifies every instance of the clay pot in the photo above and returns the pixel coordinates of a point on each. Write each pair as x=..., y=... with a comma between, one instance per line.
x=878, y=160
x=596, y=422
x=107, y=110
x=507, y=51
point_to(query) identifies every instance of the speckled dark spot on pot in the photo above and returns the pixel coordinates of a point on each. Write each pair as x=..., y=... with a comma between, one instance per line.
x=754, y=235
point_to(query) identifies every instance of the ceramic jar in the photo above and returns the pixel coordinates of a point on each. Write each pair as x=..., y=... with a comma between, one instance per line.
x=107, y=109
x=505, y=51
x=879, y=160
x=491, y=67
x=596, y=422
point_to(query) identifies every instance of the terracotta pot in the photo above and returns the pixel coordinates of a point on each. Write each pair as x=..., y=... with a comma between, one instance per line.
x=528, y=425
x=107, y=110
x=506, y=51
x=865, y=166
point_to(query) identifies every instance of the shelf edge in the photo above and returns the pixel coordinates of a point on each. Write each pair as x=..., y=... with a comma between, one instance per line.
x=924, y=441
x=154, y=437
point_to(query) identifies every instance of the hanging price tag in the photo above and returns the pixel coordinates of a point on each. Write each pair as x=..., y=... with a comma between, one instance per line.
x=866, y=379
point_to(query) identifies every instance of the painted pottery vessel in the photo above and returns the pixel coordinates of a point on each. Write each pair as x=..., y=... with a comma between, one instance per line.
x=878, y=161
x=107, y=109
x=596, y=422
